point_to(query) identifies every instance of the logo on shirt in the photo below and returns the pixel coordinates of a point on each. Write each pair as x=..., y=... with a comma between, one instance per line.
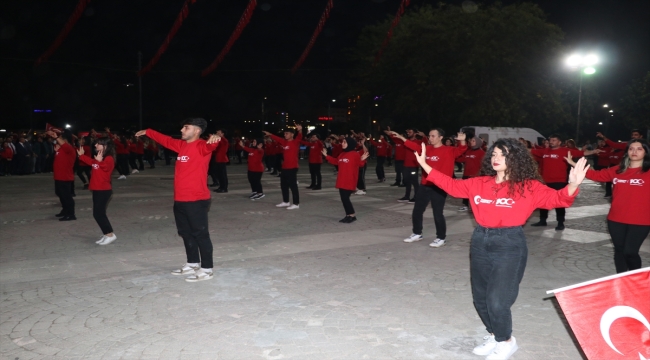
x=479, y=200
x=251, y=154
x=344, y=160
x=183, y=158
x=433, y=158
x=552, y=156
x=286, y=147
x=500, y=202
x=95, y=166
x=635, y=182
x=470, y=156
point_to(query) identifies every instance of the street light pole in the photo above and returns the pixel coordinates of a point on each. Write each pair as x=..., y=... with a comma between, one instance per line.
x=584, y=64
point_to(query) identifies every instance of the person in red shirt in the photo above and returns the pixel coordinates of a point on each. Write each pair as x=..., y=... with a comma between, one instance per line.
x=191, y=194
x=83, y=168
x=269, y=154
x=288, y=176
x=133, y=156
x=631, y=180
x=381, y=148
x=64, y=160
x=400, y=154
x=441, y=157
x=554, y=173
x=100, y=184
x=139, y=153
x=472, y=159
x=636, y=134
x=337, y=149
x=255, y=167
x=151, y=152
x=121, y=153
x=349, y=162
x=502, y=200
x=221, y=158
x=315, y=161
x=410, y=171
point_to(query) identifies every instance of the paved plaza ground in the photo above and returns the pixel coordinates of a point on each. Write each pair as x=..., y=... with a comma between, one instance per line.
x=288, y=284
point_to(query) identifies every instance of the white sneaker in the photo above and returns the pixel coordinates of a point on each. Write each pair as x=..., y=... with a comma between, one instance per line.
x=437, y=243
x=108, y=240
x=360, y=192
x=413, y=238
x=100, y=240
x=135, y=171
x=283, y=204
x=200, y=275
x=122, y=177
x=487, y=347
x=503, y=350
x=293, y=207
x=463, y=208
x=186, y=270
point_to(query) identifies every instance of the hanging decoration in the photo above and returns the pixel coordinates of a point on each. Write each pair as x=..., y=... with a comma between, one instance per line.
x=243, y=21
x=393, y=24
x=78, y=11
x=319, y=28
x=177, y=25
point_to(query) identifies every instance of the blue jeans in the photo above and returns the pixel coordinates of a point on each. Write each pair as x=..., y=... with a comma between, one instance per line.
x=497, y=262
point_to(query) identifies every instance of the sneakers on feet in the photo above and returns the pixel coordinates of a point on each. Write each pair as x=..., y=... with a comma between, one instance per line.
x=540, y=223
x=293, y=207
x=404, y=199
x=258, y=196
x=100, y=240
x=200, y=275
x=252, y=195
x=351, y=219
x=463, y=208
x=186, y=270
x=121, y=177
x=413, y=238
x=135, y=171
x=487, y=347
x=412, y=201
x=108, y=240
x=437, y=243
x=503, y=350
x=559, y=227
x=360, y=192
x=283, y=204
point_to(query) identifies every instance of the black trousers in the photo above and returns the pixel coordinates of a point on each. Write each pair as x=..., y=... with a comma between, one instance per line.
x=361, y=181
x=100, y=203
x=379, y=169
x=345, y=199
x=139, y=157
x=132, y=158
x=437, y=197
x=316, y=178
x=559, y=212
x=123, y=164
x=63, y=189
x=399, y=169
x=278, y=163
x=151, y=158
x=268, y=161
x=192, y=225
x=411, y=179
x=627, y=240
x=289, y=180
x=81, y=170
x=255, y=179
x=212, y=171
x=222, y=174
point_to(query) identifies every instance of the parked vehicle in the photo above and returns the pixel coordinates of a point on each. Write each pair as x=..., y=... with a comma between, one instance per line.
x=491, y=134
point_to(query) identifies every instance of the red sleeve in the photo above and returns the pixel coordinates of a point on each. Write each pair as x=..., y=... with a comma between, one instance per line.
x=247, y=149
x=86, y=159
x=164, y=140
x=538, y=152
x=332, y=160
x=412, y=145
x=547, y=198
x=616, y=145
x=305, y=142
x=576, y=153
x=396, y=139
x=454, y=187
x=299, y=136
x=278, y=139
x=460, y=150
x=604, y=175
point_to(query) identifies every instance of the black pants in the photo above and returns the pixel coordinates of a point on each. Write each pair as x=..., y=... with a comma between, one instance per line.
x=278, y=163
x=465, y=201
x=139, y=157
x=255, y=179
x=268, y=161
x=81, y=170
x=361, y=181
x=411, y=179
x=132, y=158
x=123, y=164
x=627, y=240
x=379, y=169
x=100, y=203
x=345, y=199
x=399, y=169
x=316, y=178
x=559, y=212
x=288, y=180
x=192, y=225
x=212, y=171
x=437, y=197
x=497, y=262
x=168, y=156
x=151, y=158
x=222, y=175
x=63, y=189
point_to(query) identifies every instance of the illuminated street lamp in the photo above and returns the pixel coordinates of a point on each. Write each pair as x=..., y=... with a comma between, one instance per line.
x=585, y=65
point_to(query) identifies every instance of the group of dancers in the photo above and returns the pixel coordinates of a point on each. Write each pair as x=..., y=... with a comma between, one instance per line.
x=503, y=187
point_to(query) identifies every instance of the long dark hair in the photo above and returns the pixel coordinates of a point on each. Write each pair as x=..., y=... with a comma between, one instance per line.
x=625, y=163
x=109, y=147
x=521, y=168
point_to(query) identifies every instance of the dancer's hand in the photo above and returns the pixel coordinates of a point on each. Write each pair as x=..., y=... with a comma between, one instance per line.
x=578, y=172
x=141, y=133
x=214, y=138
x=569, y=159
x=422, y=159
x=298, y=127
x=365, y=156
x=461, y=136
x=80, y=150
x=266, y=133
x=324, y=152
x=100, y=155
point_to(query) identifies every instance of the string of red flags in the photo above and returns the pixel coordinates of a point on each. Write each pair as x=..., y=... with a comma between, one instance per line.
x=78, y=11
x=396, y=19
x=177, y=25
x=243, y=21
x=319, y=28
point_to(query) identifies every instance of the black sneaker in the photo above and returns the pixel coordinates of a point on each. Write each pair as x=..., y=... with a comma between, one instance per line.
x=412, y=201
x=540, y=223
x=559, y=227
x=401, y=185
x=394, y=184
x=221, y=190
x=316, y=188
x=61, y=214
x=404, y=199
x=310, y=187
x=68, y=218
x=344, y=220
x=213, y=185
x=351, y=219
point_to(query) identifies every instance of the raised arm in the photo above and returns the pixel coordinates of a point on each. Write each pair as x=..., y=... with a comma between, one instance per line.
x=164, y=140
x=455, y=188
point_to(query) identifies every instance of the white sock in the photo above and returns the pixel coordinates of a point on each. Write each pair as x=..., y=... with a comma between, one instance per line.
x=192, y=264
x=207, y=271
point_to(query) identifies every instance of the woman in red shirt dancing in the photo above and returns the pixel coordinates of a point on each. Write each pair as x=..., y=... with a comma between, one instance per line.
x=502, y=200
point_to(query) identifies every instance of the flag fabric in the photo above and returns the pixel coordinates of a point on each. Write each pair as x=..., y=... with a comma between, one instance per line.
x=610, y=316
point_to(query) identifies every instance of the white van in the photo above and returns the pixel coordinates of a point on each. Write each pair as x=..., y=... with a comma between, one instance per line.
x=491, y=134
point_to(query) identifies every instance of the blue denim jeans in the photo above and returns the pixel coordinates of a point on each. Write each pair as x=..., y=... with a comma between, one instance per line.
x=497, y=262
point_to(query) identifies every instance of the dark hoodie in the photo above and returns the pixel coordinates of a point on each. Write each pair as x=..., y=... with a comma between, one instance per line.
x=352, y=144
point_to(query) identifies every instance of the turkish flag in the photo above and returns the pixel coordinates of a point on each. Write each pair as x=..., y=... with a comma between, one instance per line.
x=610, y=316
x=50, y=127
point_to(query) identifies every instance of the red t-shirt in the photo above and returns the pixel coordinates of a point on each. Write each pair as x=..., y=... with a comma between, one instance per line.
x=221, y=151
x=603, y=157
x=64, y=160
x=139, y=147
x=290, y=149
x=337, y=149
x=615, y=157
x=121, y=149
x=400, y=151
x=554, y=168
x=349, y=163
x=616, y=145
x=255, y=156
x=472, y=158
x=100, y=176
x=315, y=148
x=191, y=169
x=381, y=146
x=133, y=147
x=441, y=158
x=493, y=207
x=630, y=194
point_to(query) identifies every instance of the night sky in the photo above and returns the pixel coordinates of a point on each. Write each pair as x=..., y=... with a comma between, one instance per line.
x=83, y=83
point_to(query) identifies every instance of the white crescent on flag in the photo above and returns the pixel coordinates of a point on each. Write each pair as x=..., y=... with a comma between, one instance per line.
x=617, y=312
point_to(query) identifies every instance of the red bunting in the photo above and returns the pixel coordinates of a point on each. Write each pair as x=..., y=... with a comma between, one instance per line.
x=393, y=24
x=243, y=21
x=177, y=25
x=78, y=11
x=319, y=28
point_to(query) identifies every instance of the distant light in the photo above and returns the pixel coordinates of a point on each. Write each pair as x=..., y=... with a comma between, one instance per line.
x=266, y=123
x=243, y=138
x=333, y=100
x=600, y=123
x=129, y=84
x=611, y=111
x=605, y=105
x=590, y=60
x=67, y=126
x=272, y=123
x=376, y=104
x=574, y=60
x=589, y=70
x=3, y=130
x=374, y=121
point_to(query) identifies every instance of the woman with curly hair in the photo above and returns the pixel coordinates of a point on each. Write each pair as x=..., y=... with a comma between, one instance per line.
x=631, y=189
x=502, y=198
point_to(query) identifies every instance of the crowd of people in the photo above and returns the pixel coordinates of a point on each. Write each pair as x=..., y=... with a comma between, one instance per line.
x=502, y=184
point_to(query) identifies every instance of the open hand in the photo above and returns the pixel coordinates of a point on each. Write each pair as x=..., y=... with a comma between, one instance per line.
x=365, y=156
x=461, y=136
x=141, y=133
x=569, y=159
x=214, y=138
x=100, y=155
x=266, y=133
x=80, y=151
x=324, y=152
x=578, y=172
